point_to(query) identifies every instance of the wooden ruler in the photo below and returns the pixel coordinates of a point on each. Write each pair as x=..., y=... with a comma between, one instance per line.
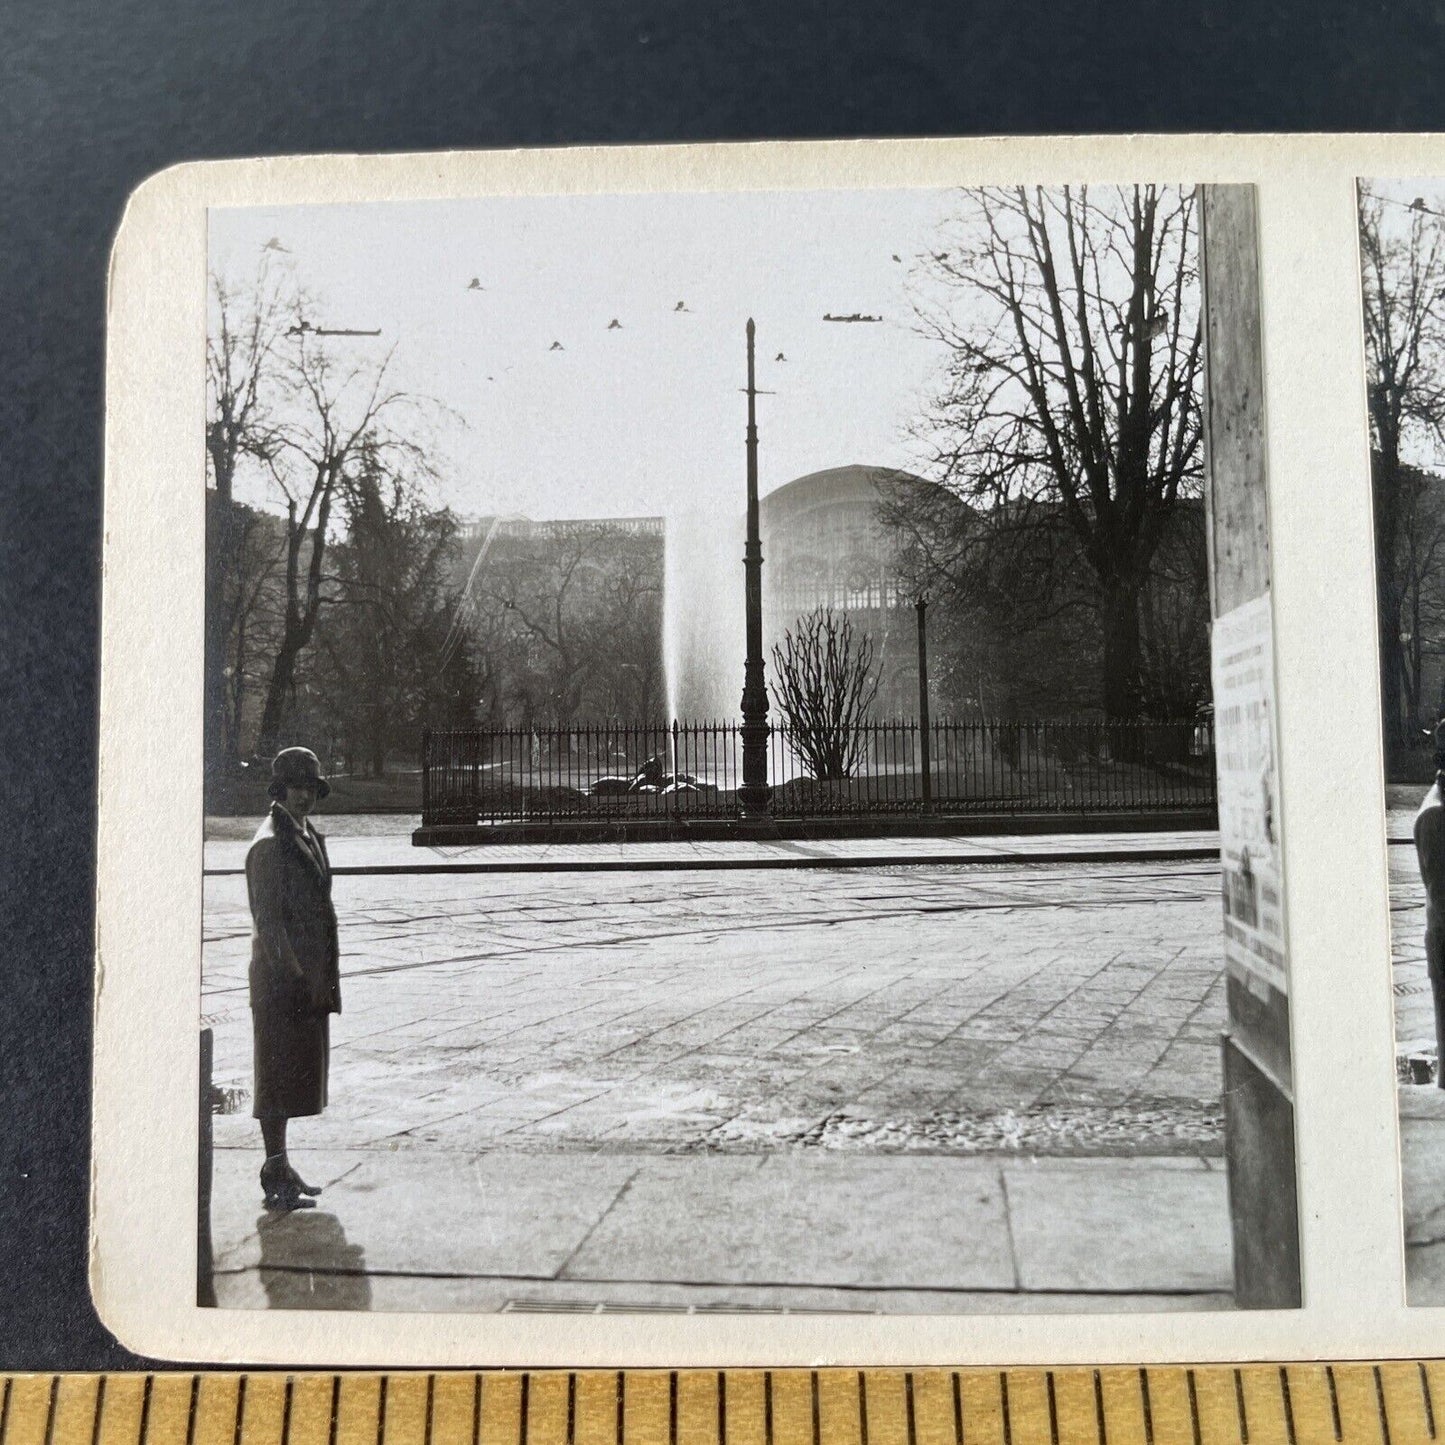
x=1385, y=1404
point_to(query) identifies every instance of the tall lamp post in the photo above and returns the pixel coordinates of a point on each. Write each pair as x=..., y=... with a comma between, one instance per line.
x=925, y=761
x=755, y=793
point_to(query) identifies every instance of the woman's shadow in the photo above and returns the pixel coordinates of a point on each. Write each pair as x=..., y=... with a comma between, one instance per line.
x=307, y=1263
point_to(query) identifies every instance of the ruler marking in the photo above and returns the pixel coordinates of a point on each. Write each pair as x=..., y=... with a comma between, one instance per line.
x=100, y=1410
x=241, y=1410
x=151, y=1432
x=1288, y=1404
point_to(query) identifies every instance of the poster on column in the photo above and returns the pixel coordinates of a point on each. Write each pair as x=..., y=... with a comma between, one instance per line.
x=1255, y=947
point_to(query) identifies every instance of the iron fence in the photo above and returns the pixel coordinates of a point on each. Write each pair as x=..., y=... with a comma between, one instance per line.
x=692, y=770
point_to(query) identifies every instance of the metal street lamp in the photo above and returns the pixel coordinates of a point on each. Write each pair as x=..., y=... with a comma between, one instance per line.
x=924, y=757
x=754, y=794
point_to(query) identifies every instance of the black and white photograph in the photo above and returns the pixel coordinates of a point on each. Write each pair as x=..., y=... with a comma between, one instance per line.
x=1402, y=257
x=740, y=757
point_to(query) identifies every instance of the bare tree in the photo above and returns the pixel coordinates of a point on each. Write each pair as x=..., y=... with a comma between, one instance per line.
x=1418, y=562
x=240, y=363
x=823, y=683
x=1071, y=391
x=572, y=614
x=382, y=636
x=1402, y=251
x=340, y=415
x=251, y=612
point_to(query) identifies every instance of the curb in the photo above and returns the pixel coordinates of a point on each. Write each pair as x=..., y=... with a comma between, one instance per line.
x=705, y=865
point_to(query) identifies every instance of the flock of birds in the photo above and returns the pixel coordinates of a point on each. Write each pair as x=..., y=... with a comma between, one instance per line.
x=1155, y=325
x=475, y=284
x=302, y=328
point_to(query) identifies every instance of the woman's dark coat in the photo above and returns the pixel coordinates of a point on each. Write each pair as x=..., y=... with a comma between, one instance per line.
x=295, y=975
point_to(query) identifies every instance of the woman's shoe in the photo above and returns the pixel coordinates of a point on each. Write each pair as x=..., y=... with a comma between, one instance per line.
x=301, y=1186
x=278, y=1188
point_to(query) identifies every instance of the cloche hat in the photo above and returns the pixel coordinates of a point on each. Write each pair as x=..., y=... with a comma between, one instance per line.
x=296, y=768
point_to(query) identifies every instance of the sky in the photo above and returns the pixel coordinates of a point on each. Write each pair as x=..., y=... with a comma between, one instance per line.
x=647, y=418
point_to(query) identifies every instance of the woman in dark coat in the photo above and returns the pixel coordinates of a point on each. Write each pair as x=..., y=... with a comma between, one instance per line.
x=295, y=978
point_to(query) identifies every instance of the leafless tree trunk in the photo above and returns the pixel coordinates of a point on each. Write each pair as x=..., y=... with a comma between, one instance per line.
x=1071, y=318
x=823, y=683
x=240, y=364
x=1404, y=290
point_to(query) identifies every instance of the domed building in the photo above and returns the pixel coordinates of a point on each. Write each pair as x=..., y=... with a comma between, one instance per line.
x=825, y=545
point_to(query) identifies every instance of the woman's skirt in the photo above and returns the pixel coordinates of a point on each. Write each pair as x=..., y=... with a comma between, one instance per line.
x=292, y=1054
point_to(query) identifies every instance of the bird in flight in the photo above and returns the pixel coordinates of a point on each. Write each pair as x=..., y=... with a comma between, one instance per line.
x=897, y=257
x=274, y=244
x=475, y=284
x=556, y=346
x=681, y=306
x=302, y=327
x=780, y=357
x=614, y=325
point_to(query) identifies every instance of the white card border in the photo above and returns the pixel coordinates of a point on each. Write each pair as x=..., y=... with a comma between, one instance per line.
x=149, y=840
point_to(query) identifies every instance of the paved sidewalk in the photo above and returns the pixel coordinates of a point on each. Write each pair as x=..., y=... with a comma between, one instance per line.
x=490, y=1232
x=986, y=1086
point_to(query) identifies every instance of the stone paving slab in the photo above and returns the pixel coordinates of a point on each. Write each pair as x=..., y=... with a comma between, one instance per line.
x=1167, y=1229
x=904, y=1233
x=416, y=1213
x=1422, y=1170
x=785, y=1219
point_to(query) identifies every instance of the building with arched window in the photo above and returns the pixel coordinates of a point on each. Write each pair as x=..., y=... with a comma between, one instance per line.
x=825, y=545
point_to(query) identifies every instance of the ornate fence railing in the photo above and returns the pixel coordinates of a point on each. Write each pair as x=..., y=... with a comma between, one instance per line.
x=611, y=771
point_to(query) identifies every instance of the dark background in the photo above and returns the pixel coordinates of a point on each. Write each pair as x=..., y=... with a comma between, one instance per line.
x=95, y=97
